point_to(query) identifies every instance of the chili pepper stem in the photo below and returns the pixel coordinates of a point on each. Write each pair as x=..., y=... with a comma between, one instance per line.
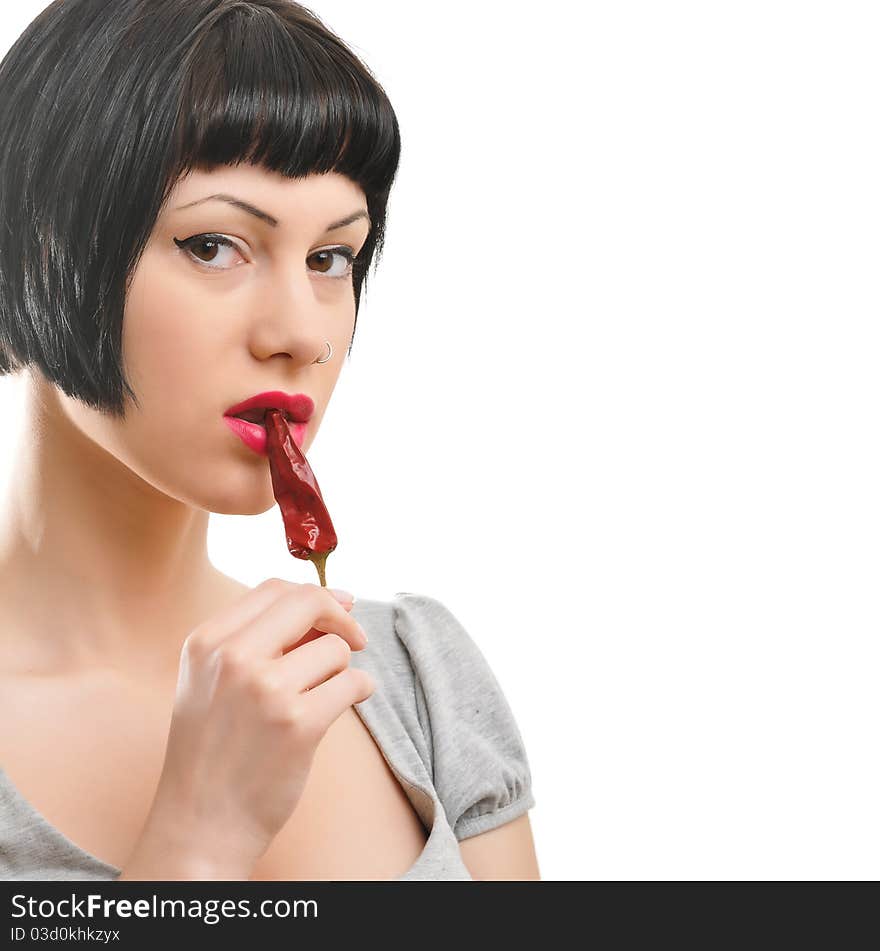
x=319, y=559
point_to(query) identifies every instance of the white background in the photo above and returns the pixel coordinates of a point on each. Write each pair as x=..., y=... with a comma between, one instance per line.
x=613, y=399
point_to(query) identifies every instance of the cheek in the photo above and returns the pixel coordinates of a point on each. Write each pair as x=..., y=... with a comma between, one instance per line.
x=171, y=350
x=167, y=338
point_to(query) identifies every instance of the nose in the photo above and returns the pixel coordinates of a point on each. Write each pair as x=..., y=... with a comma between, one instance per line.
x=296, y=328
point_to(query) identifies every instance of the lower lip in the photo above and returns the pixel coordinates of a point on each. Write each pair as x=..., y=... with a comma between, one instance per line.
x=253, y=435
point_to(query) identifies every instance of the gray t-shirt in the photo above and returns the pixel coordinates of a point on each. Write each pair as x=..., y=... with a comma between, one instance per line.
x=437, y=714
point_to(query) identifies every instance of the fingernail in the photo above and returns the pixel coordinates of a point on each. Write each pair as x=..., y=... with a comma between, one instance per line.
x=361, y=629
x=343, y=595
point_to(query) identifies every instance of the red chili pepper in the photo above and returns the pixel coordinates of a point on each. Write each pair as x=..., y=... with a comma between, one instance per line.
x=310, y=533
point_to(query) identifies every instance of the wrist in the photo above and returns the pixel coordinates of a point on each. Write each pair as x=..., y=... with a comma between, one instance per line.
x=169, y=851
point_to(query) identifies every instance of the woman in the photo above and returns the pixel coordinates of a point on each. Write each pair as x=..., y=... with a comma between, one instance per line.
x=217, y=174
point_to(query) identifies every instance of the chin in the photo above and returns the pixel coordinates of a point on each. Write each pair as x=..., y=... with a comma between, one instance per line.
x=250, y=494
x=233, y=509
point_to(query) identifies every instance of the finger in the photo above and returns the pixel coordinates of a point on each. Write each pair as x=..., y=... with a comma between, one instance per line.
x=287, y=619
x=307, y=665
x=327, y=701
x=245, y=609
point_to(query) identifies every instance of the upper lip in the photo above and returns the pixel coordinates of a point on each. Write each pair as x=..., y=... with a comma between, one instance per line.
x=297, y=407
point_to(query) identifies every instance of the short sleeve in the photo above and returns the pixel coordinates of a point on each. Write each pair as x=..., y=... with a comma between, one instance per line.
x=479, y=762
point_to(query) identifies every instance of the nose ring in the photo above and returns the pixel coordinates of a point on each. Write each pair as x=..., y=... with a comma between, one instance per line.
x=329, y=352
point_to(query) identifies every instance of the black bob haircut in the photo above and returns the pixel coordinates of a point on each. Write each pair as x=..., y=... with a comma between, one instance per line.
x=104, y=104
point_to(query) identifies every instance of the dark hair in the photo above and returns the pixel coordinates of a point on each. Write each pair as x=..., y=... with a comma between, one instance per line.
x=104, y=104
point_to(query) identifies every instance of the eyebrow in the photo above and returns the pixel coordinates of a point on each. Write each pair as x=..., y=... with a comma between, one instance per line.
x=264, y=216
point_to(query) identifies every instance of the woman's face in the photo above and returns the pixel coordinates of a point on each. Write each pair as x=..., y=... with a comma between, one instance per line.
x=210, y=323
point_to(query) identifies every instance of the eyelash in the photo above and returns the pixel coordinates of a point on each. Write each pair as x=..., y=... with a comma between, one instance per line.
x=186, y=244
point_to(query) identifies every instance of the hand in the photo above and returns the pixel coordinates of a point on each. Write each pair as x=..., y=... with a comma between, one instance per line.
x=259, y=685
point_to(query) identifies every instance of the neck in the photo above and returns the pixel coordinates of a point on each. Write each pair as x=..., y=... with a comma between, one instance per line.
x=97, y=566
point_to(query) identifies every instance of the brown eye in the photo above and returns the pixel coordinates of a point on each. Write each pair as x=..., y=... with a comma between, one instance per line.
x=207, y=248
x=324, y=261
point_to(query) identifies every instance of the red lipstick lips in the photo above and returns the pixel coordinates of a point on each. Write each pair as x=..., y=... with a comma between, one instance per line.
x=296, y=406
x=246, y=419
